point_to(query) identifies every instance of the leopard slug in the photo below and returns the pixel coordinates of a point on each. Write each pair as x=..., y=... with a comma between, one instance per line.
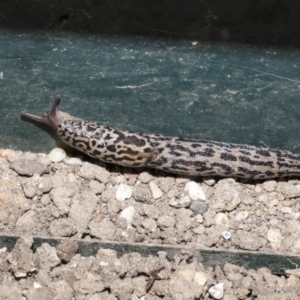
x=171, y=154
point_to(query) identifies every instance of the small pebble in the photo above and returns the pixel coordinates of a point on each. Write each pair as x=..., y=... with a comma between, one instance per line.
x=186, y=273
x=144, y=177
x=286, y=210
x=222, y=219
x=209, y=181
x=36, y=285
x=6, y=152
x=274, y=237
x=199, y=219
x=155, y=190
x=270, y=185
x=182, y=200
x=57, y=155
x=200, y=278
x=199, y=207
x=226, y=235
x=242, y=215
x=128, y=213
x=124, y=191
x=27, y=167
x=195, y=191
x=217, y=291
x=73, y=161
x=67, y=249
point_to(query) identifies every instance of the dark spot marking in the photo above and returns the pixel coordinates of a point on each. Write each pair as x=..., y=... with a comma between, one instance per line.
x=181, y=140
x=256, y=156
x=94, y=143
x=90, y=128
x=225, y=167
x=134, y=140
x=147, y=150
x=96, y=152
x=136, y=164
x=204, y=168
x=176, y=167
x=128, y=151
x=207, y=152
x=263, y=152
x=247, y=171
x=254, y=162
x=159, y=162
x=196, y=145
x=211, y=145
x=227, y=156
x=178, y=154
x=240, y=174
x=269, y=173
x=114, y=158
x=286, y=165
x=160, y=150
x=111, y=148
x=245, y=152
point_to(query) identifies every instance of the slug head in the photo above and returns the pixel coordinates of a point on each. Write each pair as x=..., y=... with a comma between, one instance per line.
x=52, y=118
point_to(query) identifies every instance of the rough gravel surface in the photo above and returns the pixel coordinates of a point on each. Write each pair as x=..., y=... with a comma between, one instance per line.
x=76, y=198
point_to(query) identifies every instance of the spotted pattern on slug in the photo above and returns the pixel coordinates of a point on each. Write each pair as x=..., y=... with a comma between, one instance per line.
x=105, y=143
x=170, y=154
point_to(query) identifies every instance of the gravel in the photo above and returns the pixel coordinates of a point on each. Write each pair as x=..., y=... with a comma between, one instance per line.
x=89, y=200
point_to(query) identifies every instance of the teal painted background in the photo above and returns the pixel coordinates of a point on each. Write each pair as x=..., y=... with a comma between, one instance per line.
x=192, y=86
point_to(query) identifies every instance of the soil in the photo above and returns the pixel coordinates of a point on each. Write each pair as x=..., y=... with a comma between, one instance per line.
x=82, y=198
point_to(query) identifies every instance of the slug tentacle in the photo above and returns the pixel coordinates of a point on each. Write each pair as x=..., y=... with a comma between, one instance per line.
x=170, y=154
x=50, y=119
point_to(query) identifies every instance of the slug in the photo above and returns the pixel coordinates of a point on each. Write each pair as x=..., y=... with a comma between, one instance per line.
x=171, y=154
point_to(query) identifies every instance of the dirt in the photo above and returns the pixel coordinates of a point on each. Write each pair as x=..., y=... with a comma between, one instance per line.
x=84, y=199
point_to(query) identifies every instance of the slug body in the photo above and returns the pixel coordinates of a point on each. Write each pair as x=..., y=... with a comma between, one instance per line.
x=170, y=154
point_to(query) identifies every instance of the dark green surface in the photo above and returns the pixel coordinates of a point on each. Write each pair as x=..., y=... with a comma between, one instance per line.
x=276, y=262
x=109, y=67
x=222, y=92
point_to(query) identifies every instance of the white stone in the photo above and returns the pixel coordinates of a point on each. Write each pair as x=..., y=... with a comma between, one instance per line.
x=226, y=235
x=73, y=161
x=209, y=181
x=286, y=210
x=36, y=285
x=242, y=215
x=155, y=190
x=124, y=191
x=186, y=273
x=20, y=274
x=200, y=278
x=195, y=191
x=57, y=155
x=295, y=216
x=274, y=237
x=127, y=213
x=270, y=186
x=222, y=219
x=199, y=219
x=217, y=290
x=182, y=200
